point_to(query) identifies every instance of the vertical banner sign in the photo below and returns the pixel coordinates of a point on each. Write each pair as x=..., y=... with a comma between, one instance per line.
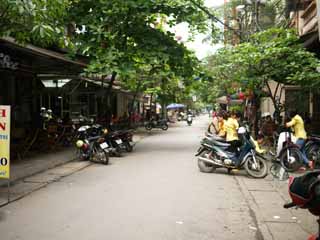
x=5, y=141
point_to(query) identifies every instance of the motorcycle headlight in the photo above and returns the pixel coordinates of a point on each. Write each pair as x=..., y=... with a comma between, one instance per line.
x=79, y=143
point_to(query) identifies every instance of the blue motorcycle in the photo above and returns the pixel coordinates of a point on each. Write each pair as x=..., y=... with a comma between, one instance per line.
x=216, y=153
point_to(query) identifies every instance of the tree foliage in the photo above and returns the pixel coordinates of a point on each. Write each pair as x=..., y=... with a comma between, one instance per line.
x=275, y=54
x=38, y=21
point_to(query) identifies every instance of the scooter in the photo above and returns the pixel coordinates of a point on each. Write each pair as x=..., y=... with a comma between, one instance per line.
x=189, y=119
x=215, y=153
x=305, y=193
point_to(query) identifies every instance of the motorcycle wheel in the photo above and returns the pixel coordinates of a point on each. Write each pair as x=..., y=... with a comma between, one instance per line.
x=118, y=152
x=313, y=153
x=203, y=166
x=294, y=162
x=129, y=148
x=81, y=155
x=165, y=127
x=100, y=156
x=252, y=170
x=148, y=127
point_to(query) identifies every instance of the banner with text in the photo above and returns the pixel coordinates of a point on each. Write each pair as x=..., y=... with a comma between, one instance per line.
x=5, y=141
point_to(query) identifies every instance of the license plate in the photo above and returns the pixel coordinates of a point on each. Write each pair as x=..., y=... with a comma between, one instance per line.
x=118, y=141
x=104, y=145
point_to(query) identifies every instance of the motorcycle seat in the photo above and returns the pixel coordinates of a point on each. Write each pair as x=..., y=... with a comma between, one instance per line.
x=221, y=144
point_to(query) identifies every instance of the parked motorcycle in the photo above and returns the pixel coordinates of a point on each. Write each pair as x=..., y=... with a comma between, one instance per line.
x=127, y=138
x=157, y=124
x=215, y=153
x=312, y=148
x=305, y=193
x=121, y=141
x=93, y=148
x=189, y=119
x=290, y=155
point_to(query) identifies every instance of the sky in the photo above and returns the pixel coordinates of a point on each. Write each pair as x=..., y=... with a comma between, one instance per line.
x=201, y=49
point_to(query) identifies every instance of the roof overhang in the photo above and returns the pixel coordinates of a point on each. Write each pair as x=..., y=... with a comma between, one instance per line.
x=36, y=60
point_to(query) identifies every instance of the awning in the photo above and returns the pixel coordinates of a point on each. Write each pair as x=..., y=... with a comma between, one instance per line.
x=35, y=60
x=226, y=101
x=175, y=106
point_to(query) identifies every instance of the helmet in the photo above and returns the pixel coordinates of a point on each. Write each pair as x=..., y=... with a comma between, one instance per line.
x=266, y=114
x=49, y=111
x=105, y=131
x=79, y=143
x=241, y=130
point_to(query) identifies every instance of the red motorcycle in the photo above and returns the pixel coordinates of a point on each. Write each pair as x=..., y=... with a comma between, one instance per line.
x=305, y=193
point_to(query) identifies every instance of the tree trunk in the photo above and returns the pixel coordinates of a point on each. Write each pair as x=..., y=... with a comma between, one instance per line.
x=133, y=101
x=108, y=114
x=277, y=116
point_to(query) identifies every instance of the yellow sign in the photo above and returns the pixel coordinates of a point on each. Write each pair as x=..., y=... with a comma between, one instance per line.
x=5, y=141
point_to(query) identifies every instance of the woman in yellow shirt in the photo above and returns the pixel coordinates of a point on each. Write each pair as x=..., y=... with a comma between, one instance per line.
x=221, y=123
x=231, y=126
x=297, y=124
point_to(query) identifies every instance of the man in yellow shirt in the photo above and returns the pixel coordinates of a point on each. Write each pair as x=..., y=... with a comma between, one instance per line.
x=300, y=134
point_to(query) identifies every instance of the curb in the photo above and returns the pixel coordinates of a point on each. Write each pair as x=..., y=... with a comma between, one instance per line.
x=40, y=185
x=263, y=232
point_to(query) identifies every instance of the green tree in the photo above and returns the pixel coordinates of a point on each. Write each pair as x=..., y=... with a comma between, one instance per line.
x=274, y=54
x=38, y=21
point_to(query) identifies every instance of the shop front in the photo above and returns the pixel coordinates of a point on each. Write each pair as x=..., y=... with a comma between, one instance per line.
x=22, y=70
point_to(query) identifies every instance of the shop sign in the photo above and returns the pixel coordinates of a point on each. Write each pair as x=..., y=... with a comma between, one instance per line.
x=5, y=62
x=5, y=141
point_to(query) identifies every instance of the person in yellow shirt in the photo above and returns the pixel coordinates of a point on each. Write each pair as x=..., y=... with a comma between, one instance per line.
x=222, y=117
x=231, y=127
x=297, y=124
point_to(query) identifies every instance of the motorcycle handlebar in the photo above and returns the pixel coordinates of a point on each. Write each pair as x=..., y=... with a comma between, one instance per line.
x=289, y=205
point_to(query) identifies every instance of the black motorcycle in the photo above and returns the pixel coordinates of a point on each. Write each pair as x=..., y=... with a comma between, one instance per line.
x=90, y=147
x=157, y=124
x=312, y=148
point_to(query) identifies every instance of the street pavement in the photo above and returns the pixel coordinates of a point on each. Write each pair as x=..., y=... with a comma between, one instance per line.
x=155, y=192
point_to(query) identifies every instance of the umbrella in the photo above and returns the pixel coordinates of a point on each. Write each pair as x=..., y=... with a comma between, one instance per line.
x=175, y=105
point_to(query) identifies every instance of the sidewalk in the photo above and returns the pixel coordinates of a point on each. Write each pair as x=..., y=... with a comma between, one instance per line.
x=36, y=172
x=266, y=198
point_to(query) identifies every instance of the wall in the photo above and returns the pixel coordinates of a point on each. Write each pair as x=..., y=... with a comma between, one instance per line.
x=267, y=104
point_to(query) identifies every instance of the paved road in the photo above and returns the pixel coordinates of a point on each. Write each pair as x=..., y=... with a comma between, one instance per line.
x=157, y=192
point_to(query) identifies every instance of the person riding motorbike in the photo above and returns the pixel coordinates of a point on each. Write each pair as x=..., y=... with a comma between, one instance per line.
x=297, y=124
